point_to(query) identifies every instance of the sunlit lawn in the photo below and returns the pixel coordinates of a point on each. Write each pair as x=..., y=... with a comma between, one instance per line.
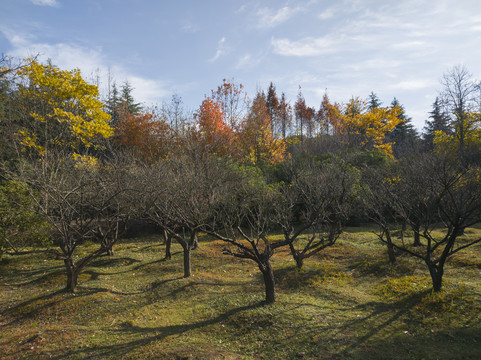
x=346, y=303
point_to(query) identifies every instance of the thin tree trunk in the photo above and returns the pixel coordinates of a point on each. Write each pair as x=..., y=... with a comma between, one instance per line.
x=417, y=238
x=187, y=262
x=297, y=257
x=168, y=245
x=269, y=282
x=390, y=247
x=195, y=244
x=72, y=274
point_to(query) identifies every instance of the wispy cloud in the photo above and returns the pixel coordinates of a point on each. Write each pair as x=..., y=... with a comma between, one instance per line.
x=248, y=61
x=189, y=27
x=244, y=61
x=272, y=18
x=326, y=14
x=220, y=50
x=90, y=61
x=305, y=47
x=45, y=2
x=414, y=84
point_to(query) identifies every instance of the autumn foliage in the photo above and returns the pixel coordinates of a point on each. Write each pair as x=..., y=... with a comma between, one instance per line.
x=143, y=133
x=65, y=111
x=357, y=125
x=257, y=142
x=214, y=135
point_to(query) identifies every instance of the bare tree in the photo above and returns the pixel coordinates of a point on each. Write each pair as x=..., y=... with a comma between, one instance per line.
x=177, y=199
x=425, y=192
x=461, y=97
x=242, y=216
x=70, y=196
x=115, y=202
x=316, y=204
x=378, y=185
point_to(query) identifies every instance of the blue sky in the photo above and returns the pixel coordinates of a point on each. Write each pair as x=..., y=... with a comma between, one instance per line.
x=349, y=47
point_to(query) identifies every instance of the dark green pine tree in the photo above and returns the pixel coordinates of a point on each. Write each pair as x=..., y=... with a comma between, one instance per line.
x=439, y=122
x=404, y=136
x=113, y=105
x=374, y=101
x=128, y=99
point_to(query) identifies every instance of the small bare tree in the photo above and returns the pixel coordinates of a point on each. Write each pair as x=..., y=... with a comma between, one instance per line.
x=242, y=211
x=177, y=199
x=317, y=203
x=429, y=191
x=378, y=186
x=115, y=202
x=72, y=196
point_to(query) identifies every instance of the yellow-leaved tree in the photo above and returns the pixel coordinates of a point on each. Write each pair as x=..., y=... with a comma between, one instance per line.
x=465, y=144
x=60, y=110
x=358, y=125
x=256, y=140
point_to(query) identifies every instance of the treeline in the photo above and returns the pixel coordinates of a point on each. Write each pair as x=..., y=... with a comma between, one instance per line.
x=79, y=169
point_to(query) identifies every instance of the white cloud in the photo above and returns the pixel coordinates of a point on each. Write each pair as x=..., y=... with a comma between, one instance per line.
x=413, y=84
x=407, y=45
x=45, y=2
x=271, y=18
x=305, y=47
x=90, y=61
x=244, y=61
x=220, y=50
x=248, y=61
x=326, y=14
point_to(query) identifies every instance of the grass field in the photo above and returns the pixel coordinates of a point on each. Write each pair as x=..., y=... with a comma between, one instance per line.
x=347, y=303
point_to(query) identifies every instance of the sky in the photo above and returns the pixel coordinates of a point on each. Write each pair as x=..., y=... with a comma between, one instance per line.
x=347, y=48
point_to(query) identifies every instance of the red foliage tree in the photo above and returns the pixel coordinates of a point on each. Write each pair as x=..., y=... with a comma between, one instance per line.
x=214, y=135
x=144, y=133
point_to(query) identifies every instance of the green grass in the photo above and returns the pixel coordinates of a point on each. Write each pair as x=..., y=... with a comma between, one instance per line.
x=346, y=303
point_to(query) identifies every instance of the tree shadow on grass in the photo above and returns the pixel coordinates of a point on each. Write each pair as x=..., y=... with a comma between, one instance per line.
x=26, y=310
x=156, y=333
x=112, y=261
x=383, y=314
x=456, y=343
x=45, y=276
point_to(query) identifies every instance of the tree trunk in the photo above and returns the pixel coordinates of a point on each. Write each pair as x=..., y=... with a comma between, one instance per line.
x=417, y=239
x=187, y=262
x=168, y=245
x=72, y=274
x=164, y=234
x=269, y=282
x=195, y=244
x=295, y=254
x=110, y=251
x=436, y=276
x=390, y=248
x=299, y=261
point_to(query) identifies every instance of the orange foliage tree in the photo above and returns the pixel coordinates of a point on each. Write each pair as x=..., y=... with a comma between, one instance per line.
x=359, y=126
x=214, y=135
x=144, y=133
